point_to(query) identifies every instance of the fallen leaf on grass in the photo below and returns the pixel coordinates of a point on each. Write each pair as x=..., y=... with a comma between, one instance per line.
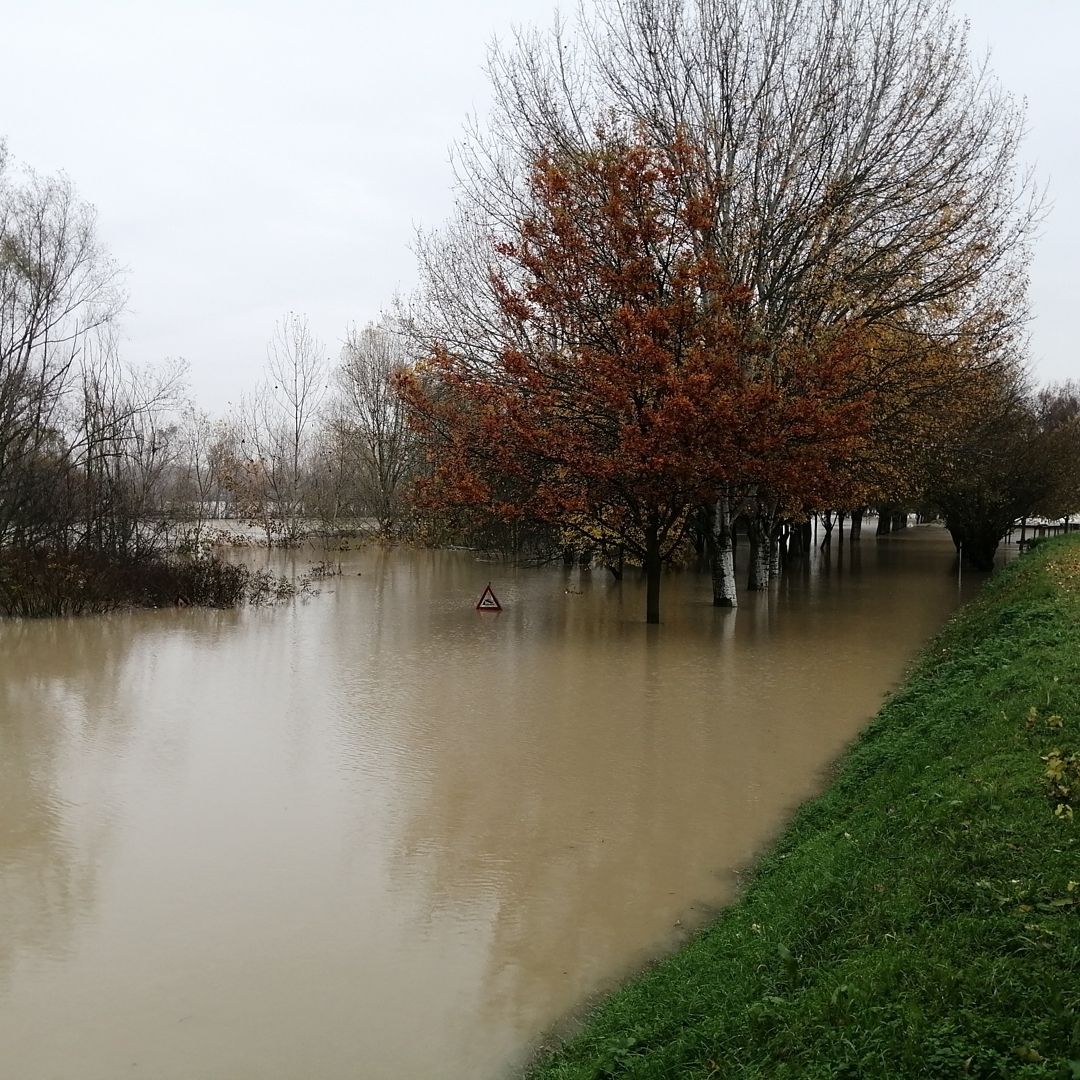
x=1055, y=766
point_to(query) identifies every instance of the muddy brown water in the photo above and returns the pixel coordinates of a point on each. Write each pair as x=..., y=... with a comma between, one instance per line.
x=377, y=834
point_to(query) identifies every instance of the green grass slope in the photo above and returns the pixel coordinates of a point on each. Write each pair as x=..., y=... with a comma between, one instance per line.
x=921, y=918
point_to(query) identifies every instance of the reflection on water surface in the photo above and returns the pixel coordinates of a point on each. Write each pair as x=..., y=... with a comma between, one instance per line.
x=378, y=834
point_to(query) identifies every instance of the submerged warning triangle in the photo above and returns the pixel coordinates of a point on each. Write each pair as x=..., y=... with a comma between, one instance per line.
x=489, y=601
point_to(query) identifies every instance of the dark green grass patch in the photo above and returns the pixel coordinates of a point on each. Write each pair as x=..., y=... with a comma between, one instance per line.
x=921, y=918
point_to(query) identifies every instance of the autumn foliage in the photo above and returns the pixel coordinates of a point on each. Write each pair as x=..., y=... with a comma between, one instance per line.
x=629, y=382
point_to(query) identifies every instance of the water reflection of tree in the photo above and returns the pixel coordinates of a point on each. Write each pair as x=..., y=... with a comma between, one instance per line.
x=46, y=881
x=564, y=836
x=543, y=821
x=64, y=728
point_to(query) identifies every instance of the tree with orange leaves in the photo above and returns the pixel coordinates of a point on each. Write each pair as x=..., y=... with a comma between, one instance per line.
x=618, y=379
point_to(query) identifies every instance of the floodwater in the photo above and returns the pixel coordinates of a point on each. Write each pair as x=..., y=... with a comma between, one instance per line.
x=377, y=834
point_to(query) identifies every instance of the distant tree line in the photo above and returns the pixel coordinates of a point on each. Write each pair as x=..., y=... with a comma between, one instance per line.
x=104, y=466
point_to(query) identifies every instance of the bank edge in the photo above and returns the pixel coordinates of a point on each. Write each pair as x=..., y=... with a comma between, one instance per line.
x=920, y=918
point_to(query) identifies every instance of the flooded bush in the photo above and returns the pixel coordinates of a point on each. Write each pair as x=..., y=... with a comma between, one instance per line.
x=44, y=583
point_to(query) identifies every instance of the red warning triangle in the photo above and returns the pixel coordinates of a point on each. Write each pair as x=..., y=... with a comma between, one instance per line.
x=489, y=601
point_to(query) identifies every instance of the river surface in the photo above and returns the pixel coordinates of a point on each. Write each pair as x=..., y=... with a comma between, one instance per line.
x=377, y=834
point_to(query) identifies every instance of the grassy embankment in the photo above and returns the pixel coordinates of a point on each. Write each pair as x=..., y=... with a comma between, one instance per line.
x=921, y=918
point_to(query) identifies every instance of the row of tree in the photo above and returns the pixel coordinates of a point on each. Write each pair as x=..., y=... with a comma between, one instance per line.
x=736, y=258
x=713, y=261
x=100, y=458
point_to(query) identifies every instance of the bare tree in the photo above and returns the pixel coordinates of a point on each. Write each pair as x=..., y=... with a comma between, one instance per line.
x=276, y=425
x=334, y=497
x=58, y=289
x=863, y=164
x=196, y=490
x=123, y=446
x=243, y=468
x=372, y=420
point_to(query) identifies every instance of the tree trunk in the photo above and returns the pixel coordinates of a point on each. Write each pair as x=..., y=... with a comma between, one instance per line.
x=764, y=562
x=884, y=520
x=722, y=545
x=856, y=524
x=616, y=568
x=794, y=539
x=758, y=579
x=753, y=577
x=828, y=522
x=977, y=546
x=699, y=531
x=652, y=571
x=775, y=547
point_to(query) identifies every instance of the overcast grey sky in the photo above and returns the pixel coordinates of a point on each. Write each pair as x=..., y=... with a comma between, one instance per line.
x=248, y=159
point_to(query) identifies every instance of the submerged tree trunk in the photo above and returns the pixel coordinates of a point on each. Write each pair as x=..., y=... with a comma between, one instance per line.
x=722, y=552
x=763, y=562
x=856, y=524
x=977, y=546
x=775, y=548
x=884, y=520
x=652, y=573
x=828, y=522
x=758, y=579
x=763, y=527
x=794, y=539
x=616, y=567
x=799, y=542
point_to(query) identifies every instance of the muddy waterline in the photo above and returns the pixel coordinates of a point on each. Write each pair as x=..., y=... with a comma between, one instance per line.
x=378, y=834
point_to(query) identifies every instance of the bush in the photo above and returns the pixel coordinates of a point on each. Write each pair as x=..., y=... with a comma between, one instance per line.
x=44, y=583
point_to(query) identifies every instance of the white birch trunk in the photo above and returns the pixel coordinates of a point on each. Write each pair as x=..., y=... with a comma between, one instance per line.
x=723, y=555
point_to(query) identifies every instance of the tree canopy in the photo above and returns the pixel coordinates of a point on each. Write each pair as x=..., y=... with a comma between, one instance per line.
x=630, y=381
x=719, y=250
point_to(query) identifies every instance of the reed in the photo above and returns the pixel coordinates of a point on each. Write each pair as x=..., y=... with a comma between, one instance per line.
x=36, y=584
